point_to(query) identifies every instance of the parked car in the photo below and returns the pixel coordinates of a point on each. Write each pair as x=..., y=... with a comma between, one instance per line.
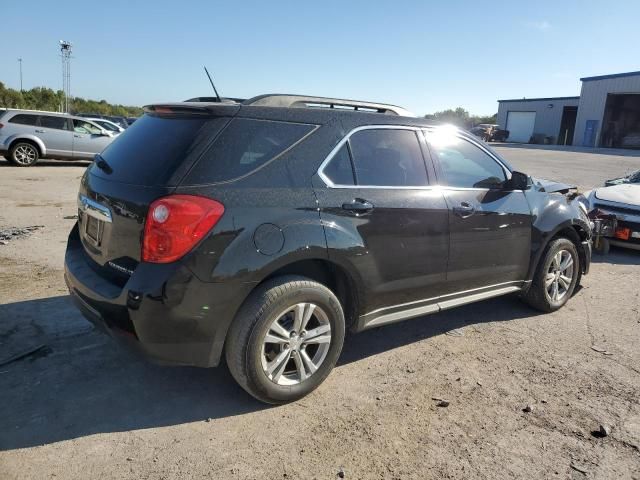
x=121, y=121
x=623, y=201
x=28, y=135
x=631, y=178
x=261, y=231
x=108, y=125
x=490, y=132
x=130, y=120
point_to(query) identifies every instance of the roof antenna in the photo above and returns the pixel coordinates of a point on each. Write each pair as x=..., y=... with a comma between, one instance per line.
x=214, y=87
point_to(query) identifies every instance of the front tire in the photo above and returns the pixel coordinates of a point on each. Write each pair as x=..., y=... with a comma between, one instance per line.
x=556, y=278
x=286, y=339
x=24, y=154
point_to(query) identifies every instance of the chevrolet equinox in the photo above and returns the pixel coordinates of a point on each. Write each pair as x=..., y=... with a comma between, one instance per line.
x=261, y=230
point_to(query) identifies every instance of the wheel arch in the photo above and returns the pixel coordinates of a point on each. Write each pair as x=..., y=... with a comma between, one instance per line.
x=330, y=274
x=572, y=230
x=35, y=141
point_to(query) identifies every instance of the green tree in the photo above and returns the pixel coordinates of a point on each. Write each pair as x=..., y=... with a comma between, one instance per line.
x=461, y=117
x=42, y=98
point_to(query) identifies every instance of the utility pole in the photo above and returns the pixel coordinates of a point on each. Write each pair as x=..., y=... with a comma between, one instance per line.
x=20, y=62
x=65, y=53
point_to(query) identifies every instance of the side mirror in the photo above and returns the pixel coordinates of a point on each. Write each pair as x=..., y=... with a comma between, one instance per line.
x=106, y=133
x=518, y=181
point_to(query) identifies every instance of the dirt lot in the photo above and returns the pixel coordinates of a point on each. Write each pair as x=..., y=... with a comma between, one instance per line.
x=83, y=408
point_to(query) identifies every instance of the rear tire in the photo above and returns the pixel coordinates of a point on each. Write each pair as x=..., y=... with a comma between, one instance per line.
x=24, y=154
x=556, y=278
x=286, y=339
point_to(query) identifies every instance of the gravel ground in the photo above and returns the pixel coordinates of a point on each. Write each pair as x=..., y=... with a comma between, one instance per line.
x=527, y=392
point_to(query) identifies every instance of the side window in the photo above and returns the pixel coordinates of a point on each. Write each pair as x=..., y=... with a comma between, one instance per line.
x=244, y=146
x=59, y=123
x=24, y=119
x=388, y=158
x=80, y=126
x=339, y=170
x=464, y=164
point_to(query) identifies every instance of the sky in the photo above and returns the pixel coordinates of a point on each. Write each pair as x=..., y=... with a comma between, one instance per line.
x=423, y=55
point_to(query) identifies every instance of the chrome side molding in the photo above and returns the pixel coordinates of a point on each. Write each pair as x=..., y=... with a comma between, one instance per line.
x=398, y=313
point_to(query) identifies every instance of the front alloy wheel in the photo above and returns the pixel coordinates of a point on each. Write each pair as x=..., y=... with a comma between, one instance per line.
x=556, y=277
x=559, y=276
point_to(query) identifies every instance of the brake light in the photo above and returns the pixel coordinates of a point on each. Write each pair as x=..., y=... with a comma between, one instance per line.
x=623, y=233
x=175, y=224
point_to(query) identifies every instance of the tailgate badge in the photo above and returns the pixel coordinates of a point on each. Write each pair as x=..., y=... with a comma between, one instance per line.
x=94, y=209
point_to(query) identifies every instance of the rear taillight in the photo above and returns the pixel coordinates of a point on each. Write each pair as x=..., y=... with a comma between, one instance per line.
x=175, y=224
x=1, y=125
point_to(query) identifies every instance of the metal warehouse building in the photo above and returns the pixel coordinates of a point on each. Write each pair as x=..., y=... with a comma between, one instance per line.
x=606, y=114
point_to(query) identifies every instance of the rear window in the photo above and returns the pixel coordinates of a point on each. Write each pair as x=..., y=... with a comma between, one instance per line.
x=243, y=147
x=154, y=148
x=24, y=119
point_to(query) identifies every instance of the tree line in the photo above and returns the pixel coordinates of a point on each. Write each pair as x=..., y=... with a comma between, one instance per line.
x=42, y=98
x=461, y=118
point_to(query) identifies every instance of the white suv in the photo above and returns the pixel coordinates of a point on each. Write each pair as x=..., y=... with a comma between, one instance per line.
x=28, y=135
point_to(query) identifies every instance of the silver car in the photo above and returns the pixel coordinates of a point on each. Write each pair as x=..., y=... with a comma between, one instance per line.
x=28, y=135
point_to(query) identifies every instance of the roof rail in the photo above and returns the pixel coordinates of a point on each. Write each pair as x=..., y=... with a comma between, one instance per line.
x=303, y=101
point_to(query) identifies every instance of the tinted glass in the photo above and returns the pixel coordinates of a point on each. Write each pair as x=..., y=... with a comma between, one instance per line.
x=150, y=151
x=59, y=123
x=339, y=169
x=24, y=119
x=388, y=157
x=242, y=147
x=463, y=164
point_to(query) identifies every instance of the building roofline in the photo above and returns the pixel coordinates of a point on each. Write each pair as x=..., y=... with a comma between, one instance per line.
x=613, y=75
x=538, y=99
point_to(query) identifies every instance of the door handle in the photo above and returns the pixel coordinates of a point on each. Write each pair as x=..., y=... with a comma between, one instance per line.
x=358, y=206
x=40, y=131
x=78, y=136
x=464, y=210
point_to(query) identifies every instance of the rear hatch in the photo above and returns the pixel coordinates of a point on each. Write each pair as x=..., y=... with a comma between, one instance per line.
x=144, y=163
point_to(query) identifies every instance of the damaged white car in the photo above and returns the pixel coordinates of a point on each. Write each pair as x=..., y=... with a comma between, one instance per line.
x=623, y=202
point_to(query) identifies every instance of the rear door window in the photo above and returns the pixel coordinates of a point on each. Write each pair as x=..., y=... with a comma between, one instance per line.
x=388, y=158
x=24, y=119
x=340, y=169
x=49, y=121
x=245, y=146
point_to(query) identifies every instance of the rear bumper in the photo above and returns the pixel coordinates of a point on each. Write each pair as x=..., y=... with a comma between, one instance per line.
x=165, y=311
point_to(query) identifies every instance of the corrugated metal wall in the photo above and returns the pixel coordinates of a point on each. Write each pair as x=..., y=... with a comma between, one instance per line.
x=547, y=118
x=593, y=99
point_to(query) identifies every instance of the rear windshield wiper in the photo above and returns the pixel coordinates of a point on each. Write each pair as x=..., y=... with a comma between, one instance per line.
x=102, y=164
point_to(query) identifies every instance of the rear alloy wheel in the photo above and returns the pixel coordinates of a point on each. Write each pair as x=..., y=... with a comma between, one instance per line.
x=556, y=277
x=24, y=154
x=286, y=339
x=296, y=344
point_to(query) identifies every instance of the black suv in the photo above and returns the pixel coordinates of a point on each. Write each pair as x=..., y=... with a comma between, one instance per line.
x=263, y=229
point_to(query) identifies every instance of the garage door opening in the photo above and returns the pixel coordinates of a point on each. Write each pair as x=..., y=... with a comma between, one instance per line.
x=520, y=126
x=621, y=121
x=567, y=125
